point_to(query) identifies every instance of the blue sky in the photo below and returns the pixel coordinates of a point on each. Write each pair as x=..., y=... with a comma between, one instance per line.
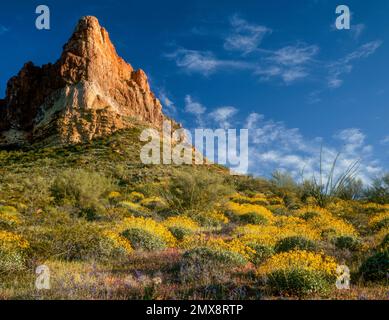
x=279, y=68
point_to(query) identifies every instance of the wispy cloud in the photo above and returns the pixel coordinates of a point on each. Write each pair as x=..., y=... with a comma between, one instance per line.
x=294, y=55
x=290, y=63
x=222, y=116
x=357, y=30
x=385, y=140
x=287, y=64
x=166, y=101
x=219, y=117
x=245, y=37
x=203, y=62
x=344, y=65
x=195, y=108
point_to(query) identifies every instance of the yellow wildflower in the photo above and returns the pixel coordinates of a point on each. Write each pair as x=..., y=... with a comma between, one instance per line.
x=181, y=222
x=299, y=259
x=9, y=241
x=150, y=226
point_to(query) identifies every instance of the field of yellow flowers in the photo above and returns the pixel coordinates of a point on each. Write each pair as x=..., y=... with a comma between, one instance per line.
x=247, y=247
x=106, y=227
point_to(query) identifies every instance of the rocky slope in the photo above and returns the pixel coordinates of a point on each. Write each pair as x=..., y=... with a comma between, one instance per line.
x=89, y=92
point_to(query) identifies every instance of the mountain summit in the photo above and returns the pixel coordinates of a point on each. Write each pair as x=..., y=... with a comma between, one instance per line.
x=89, y=92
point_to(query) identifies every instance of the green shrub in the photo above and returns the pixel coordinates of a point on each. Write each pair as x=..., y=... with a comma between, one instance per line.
x=11, y=261
x=81, y=188
x=384, y=223
x=347, y=242
x=196, y=191
x=210, y=219
x=179, y=232
x=253, y=218
x=385, y=243
x=295, y=243
x=310, y=215
x=76, y=240
x=204, y=264
x=9, y=217
x=262, y=252
x=297, y=282
x=376, y=268
x=144, y=240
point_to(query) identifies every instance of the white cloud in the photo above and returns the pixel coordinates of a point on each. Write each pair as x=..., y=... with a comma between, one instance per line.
x=275, y=146
x=253, y=120
x=385, y=140
x=193, y=107
x=203, y=62
x=222, y=116
x=344, y=66
x=294, y=74
x=352, y=136
x=289, y=63
x=363, y=52
x=294, y=55
x=245, y=37
x=166, y=101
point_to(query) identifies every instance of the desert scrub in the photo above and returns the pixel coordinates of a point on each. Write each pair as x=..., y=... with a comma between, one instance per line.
x=347, y=242
x=9, y=217
x=76, y=240
x=208, y=264
x=147, y=234
x=269, y=235
x=134, y=208
x=234, y=245
x=136, y=196
x=376, y=267
x=114, y=197
x=295, y=243
x=198, y=191
x=181, y=226
x=371, y=208
x=379, y=221
x=210, y=219
x=154, y=203
x=385, y=242
x=298, y=273
x=249, y=212
x=262, y=252
x=117, y=242
x=257, y=199
x=329, y=226
x=12, y=252
x=80, y=188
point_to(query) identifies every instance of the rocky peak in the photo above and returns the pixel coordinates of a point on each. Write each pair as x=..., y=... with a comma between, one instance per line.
x=89, y=92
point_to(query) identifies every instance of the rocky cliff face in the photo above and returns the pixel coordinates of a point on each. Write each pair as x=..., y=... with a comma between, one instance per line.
x=89, y=92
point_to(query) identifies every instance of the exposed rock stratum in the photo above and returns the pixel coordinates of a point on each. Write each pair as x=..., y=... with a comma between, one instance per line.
x=89, y=92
